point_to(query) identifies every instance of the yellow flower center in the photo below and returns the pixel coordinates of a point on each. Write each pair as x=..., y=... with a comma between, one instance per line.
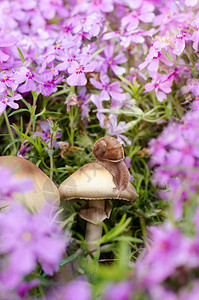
x=7, y=11
x=26, y=236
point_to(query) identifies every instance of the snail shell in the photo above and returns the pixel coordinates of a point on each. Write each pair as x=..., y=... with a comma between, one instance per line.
x=108, y=149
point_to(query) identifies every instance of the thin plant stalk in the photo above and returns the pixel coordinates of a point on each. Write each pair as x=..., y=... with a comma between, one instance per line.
x=10, y=131
x=51, y=157
x=32, y=114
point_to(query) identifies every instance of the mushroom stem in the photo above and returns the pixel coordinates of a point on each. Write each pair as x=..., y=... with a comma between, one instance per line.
x=94, y=231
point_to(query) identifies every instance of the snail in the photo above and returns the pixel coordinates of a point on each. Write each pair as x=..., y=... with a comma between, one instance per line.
x=109, y=153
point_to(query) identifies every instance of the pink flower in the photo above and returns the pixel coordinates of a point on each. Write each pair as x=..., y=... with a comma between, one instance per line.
x=7, y=100
x=144, y=14
x=155, y=56
x=29, y=77
x=179, y=42
x=106, y=6
x=30, y=239
x=76, y=289
x=114, y=90
x=161, y=84
x=7, y=81
x=112, y=62
x=78, y=70
x=9, y=185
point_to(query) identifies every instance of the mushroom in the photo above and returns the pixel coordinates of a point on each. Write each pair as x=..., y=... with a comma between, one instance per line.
x=45, y=191
x=94, y=183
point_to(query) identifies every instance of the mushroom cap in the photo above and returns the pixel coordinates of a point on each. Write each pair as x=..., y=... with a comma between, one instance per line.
x=45, y=191
x=93, y=182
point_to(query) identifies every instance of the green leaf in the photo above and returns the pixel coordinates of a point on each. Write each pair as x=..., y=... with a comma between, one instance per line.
x=18, y=111
x=126, y=238
x=61, y=92
x=70, y=258
x=97, y=52
x=117, y=230
x=21, y=55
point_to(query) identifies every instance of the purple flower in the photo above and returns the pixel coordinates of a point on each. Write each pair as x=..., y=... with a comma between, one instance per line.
x=191, y=2
x=46, y=135
x=78, y=70
x=5, y=43
x=192, y=85
x=106, y=6
x=115, y=128
x=29, y=77
x=112, y=62
x=24, y=149
x=114, y=90
x=143, y=13
x=30, y=239
x=7, y=81
x=155, y=57
x=7, y=100
x=169, y=250
x=101, y=117
x=179, y=42
x=161, y=84
x=9, y=185
x=120, y=291
x=75, y=289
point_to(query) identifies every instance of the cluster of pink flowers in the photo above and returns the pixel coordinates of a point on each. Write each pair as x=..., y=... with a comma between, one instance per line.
x=25, y=238
x=94, y=48
x=175, y=156
x=167, y=269
x=69, y=43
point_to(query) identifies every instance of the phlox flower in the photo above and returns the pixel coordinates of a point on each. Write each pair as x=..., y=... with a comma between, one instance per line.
x=112, y=62
x=155, y=56
x=5, y=44
x=105, y=6
x=91, y=25
x=192, y=85
x=77, y=288
x=195, y=35
x=191, y=2
x=9, y=185
x=108, y=89
x=24, y=149
x=28, y=78
x=119, y=291
x=179, y=42
x=13, y=12
x=130, y=37
x=115, y=128
x=101, y=117
x=78, y=70
x=46, y=134
x=144, y=14
x=50, y=8
x=133, y=4
x=7, y=100
x=161, y=84
x=175, y=155
x=69, y=56
x=7, y=81
x=29, y=239
x=169, y=250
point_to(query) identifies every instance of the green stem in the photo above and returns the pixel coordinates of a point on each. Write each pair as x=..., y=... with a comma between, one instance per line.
x=51, y=158
x=143, y=226
x=32, y=114
x=71, y=127
x=10, y=131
